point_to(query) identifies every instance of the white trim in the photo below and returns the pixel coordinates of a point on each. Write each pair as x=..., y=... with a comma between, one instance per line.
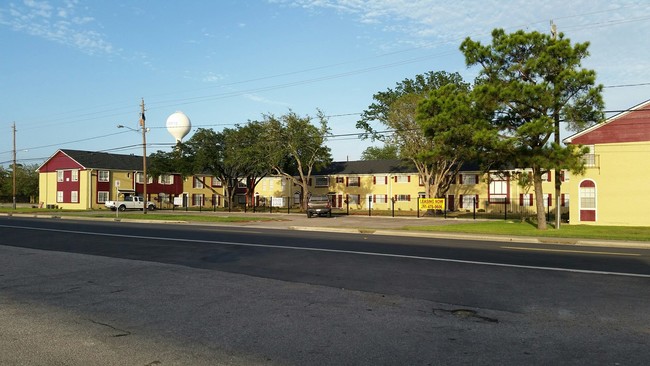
x=595, y=209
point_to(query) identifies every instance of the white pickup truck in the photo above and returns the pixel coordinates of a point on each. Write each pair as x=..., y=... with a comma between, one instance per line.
x=129, y=203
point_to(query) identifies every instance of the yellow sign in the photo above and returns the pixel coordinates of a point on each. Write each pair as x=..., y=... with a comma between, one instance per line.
x=432, y=203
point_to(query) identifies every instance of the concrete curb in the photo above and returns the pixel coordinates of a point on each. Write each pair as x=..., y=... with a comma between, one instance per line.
x=371, y=231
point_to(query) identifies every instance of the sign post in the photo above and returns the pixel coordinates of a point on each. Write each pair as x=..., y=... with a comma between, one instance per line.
x=117, y=190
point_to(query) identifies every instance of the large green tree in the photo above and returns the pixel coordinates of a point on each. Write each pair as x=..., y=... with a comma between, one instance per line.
x=386, y=152
x=397, y=109
x=26, y=182
x=296, y=147
x=204, y=153
x=458, y=131
x=245, y=150
x=533, y=82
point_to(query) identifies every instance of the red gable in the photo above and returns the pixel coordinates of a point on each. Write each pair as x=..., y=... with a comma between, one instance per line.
x=629, y=126
x=59, y=161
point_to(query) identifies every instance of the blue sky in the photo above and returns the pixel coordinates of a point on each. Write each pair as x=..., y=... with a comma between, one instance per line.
x=72, y=70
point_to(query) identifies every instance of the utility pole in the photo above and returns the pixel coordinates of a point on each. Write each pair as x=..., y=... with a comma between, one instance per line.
x=14, y=166
x=144, y=157
x=556, y=118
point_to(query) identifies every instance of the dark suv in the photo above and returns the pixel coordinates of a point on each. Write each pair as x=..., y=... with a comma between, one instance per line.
x=319, y=205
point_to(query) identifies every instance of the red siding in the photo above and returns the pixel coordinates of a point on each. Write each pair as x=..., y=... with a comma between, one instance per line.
x=58, y=162
x=630, y=127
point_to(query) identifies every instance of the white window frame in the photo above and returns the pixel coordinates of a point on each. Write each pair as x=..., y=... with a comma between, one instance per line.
x=103, y=196
x=401, y=179
x=321, y=181
x=354, y=181
x=403, y=197
x=198, y=183
x=498, y=189
x=469, y=179
x=198, y=199
x=469, y=201
x=59, y=175
x=139, y=178
x=74, y=196
x=166, y=179
x=103, y=176
x=74, y=175
x=587, y=198
x=59, y=196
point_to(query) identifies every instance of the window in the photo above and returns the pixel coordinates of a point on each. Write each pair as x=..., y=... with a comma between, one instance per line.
x=380, y=198
x=340, y=180
x=526, y=200
x=353, y=181
x=103, y=175
x=402, y=178
x=587, y=200
x=74, y=196
x=166, y=179
x=59, y=196
x=59, y=175
x=353, y=199
x=216, y=182
x=241, y=184
x=139, y=178
x=382, y=180
x=197, y=200
x=469, y=178
x=590, y=157
x=102, y=196
x=75, y=175
x=163, y=197
x=322, y=181
x=197, y=182
x=403, y=197
x=498, y=188
x=564, y=198
x=587, y=197
x=564, y=175
x=469, y=201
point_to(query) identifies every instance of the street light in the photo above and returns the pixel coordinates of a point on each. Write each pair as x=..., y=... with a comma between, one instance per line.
x=144, y=155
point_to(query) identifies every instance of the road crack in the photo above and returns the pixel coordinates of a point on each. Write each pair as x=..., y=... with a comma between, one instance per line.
x=121, y=332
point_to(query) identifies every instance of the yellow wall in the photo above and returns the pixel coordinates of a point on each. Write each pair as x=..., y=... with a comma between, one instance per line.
x=47, y=185
x=622, y=186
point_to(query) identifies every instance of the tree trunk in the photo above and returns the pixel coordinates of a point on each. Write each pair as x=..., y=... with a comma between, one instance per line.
x=305, y=197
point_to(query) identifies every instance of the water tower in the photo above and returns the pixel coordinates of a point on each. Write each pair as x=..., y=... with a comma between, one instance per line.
x=178, y=125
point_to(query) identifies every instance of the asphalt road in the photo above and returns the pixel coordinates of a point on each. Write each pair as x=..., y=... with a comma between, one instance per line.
x=78, y=292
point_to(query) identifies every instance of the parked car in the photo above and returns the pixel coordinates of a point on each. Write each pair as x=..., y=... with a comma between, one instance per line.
x=319, y=205
x=129, y=203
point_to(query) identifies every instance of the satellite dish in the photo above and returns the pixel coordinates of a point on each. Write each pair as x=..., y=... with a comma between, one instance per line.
x=178, y=125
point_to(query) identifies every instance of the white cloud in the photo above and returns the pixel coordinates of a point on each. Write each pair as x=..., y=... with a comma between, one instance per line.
x=211, y=77
x=260, y=99
x=55, y=23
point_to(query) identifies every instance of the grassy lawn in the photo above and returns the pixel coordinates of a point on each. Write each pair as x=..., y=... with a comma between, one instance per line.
x=180, y=217
x=518, y=228
x=155, y=215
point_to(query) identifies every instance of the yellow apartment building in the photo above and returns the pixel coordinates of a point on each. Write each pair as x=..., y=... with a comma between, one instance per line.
x=614, y=189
